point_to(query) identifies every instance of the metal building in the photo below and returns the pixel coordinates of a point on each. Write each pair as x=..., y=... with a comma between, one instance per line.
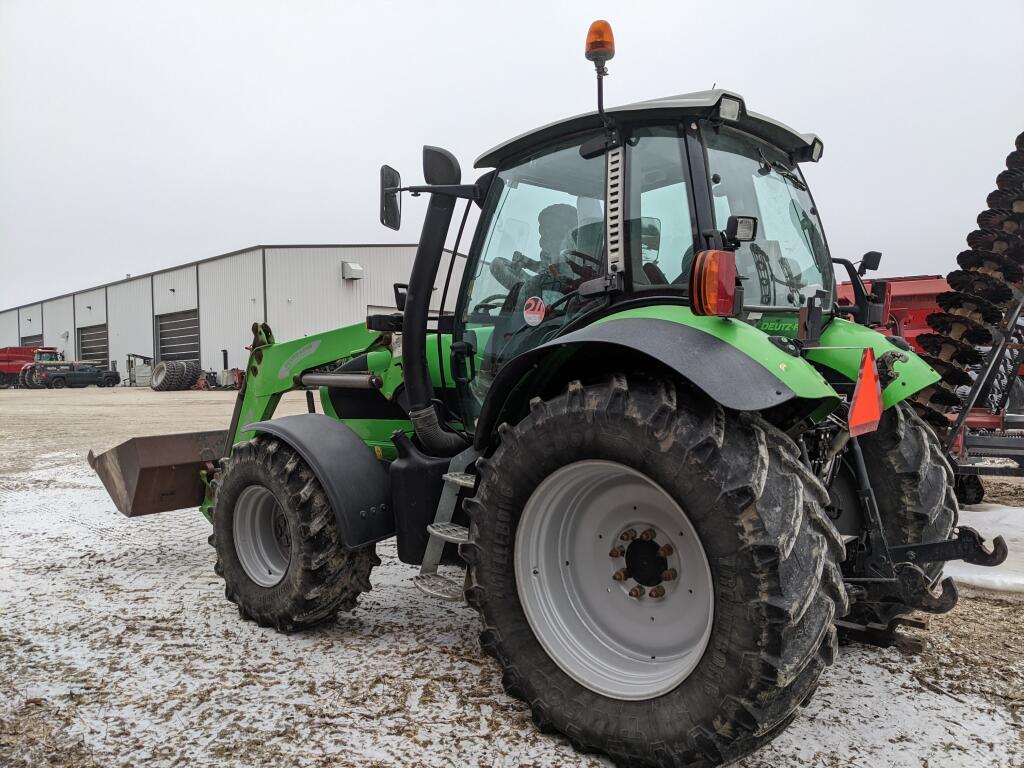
x=194, y=311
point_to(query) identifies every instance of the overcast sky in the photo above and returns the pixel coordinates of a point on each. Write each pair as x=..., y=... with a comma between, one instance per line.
x=139, y=135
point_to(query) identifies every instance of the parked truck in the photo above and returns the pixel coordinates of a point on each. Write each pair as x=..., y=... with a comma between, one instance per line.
x=670, y=463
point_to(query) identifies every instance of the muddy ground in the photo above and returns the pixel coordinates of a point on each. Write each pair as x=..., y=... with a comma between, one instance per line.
x=117, y=647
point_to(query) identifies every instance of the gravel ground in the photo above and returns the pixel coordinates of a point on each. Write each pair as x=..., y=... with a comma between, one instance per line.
x=117, y=647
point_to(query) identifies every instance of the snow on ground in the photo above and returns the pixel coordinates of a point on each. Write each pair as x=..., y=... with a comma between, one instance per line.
x=117, y=647
x=991, y=520
x=116, y=641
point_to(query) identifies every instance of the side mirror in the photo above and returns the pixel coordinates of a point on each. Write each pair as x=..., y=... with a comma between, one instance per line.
x=869, y=263
x=741, y=229
x=390, y=197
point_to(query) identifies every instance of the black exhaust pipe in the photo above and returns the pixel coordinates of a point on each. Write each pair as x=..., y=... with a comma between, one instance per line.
x=439, y=167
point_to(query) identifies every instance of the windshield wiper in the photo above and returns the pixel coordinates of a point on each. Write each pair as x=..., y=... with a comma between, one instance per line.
x=767, y=166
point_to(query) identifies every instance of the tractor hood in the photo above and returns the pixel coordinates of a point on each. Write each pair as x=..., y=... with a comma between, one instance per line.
x=703, y=104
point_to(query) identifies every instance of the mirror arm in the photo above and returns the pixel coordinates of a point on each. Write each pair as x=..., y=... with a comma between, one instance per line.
x=464, y=191
x=860, y=293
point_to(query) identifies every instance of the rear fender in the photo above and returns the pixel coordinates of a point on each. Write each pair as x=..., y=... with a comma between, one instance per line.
x=733, y=363
x=842, y=345
x=355, y=481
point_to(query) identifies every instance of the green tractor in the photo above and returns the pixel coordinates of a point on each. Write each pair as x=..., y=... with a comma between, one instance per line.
x=671, y=463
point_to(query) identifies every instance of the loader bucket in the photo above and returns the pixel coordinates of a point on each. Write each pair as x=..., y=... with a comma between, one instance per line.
x=146, y=475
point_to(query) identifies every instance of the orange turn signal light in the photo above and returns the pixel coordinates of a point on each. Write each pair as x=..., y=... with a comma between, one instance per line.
x=713, y=283
x=600, y=42
x=866, y=407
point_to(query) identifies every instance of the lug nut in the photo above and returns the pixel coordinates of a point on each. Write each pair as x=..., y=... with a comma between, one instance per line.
x=636, y=591
x=666, y=551
x=615, y=552
x=621, y=575
x=649, y=534
x=658, y=591
x=628, y=535
x=668, y=575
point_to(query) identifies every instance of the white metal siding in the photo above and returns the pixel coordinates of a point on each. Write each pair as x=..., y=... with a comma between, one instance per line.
x=9, y=328
x=230, y=301
x=175, y=291
x=306, y=293
x=31, y=319
x=130, y=321
x=59, y=328
x=90, y=308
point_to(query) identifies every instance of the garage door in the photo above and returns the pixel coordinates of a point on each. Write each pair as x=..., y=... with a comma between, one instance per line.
x=178, y=336
x=32, y=341
x=93, y=347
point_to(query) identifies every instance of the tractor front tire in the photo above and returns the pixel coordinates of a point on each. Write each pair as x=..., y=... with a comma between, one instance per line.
x=278, y=547
x=748, y=594
x=914, y=489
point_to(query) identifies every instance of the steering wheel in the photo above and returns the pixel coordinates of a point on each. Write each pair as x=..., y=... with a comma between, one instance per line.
x=583, y=256
x=494, y=301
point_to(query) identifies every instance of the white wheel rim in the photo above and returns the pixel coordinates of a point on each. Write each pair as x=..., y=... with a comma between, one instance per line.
x=621, y=646
x=260, y=533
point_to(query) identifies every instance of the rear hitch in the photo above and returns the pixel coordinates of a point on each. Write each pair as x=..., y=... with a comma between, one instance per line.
x=915, y=590
x=968, y=546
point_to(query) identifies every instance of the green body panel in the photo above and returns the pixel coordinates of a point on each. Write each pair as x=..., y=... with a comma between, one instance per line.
x=842, y=344
x=273, y=368
x=796, y=373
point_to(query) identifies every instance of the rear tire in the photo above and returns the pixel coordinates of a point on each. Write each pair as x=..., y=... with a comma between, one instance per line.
x=278, y=548
x=57, y=384
x=758, y=515
x=913, y=485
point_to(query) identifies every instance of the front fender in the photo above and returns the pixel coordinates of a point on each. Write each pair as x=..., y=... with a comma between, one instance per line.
x=733, y=363
x=842, y=345
x=355, y=481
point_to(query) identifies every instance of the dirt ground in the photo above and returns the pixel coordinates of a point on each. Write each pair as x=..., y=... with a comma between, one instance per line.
x=117, y=647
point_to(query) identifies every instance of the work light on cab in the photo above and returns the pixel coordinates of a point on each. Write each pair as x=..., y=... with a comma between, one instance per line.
x=713, y=284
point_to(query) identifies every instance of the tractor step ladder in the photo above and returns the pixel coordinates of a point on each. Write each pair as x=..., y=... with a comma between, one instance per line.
x=443, y=531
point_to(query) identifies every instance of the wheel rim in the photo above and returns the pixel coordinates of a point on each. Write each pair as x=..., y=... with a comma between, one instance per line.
x=589, y=547
x=159, y=373
x=261, y=536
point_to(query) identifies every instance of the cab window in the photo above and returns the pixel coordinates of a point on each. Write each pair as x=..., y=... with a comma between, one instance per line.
x=661, y=223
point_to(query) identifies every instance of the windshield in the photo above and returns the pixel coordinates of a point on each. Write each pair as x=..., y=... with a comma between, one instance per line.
x=544, y=236
x=788, y=261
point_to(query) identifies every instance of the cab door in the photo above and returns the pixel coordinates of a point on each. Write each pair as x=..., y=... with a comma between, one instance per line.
x=541, y=236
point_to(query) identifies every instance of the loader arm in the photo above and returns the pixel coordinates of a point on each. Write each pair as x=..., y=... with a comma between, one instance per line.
x=275, y=368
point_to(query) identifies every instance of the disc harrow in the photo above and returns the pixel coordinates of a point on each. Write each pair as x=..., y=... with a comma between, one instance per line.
x=974, y=346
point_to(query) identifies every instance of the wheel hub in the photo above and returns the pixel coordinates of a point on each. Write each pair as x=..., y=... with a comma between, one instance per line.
x=646, y=562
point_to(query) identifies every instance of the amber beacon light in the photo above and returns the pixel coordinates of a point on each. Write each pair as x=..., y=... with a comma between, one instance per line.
x=600, y=42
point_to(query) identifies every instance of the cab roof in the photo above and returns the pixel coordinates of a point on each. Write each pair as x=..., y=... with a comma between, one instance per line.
x=702, y=104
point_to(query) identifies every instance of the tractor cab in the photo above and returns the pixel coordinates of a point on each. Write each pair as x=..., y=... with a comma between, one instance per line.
x=569, y=232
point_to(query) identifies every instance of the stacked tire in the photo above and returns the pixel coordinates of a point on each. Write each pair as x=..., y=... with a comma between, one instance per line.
x=174, y=375
x=974, y=313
